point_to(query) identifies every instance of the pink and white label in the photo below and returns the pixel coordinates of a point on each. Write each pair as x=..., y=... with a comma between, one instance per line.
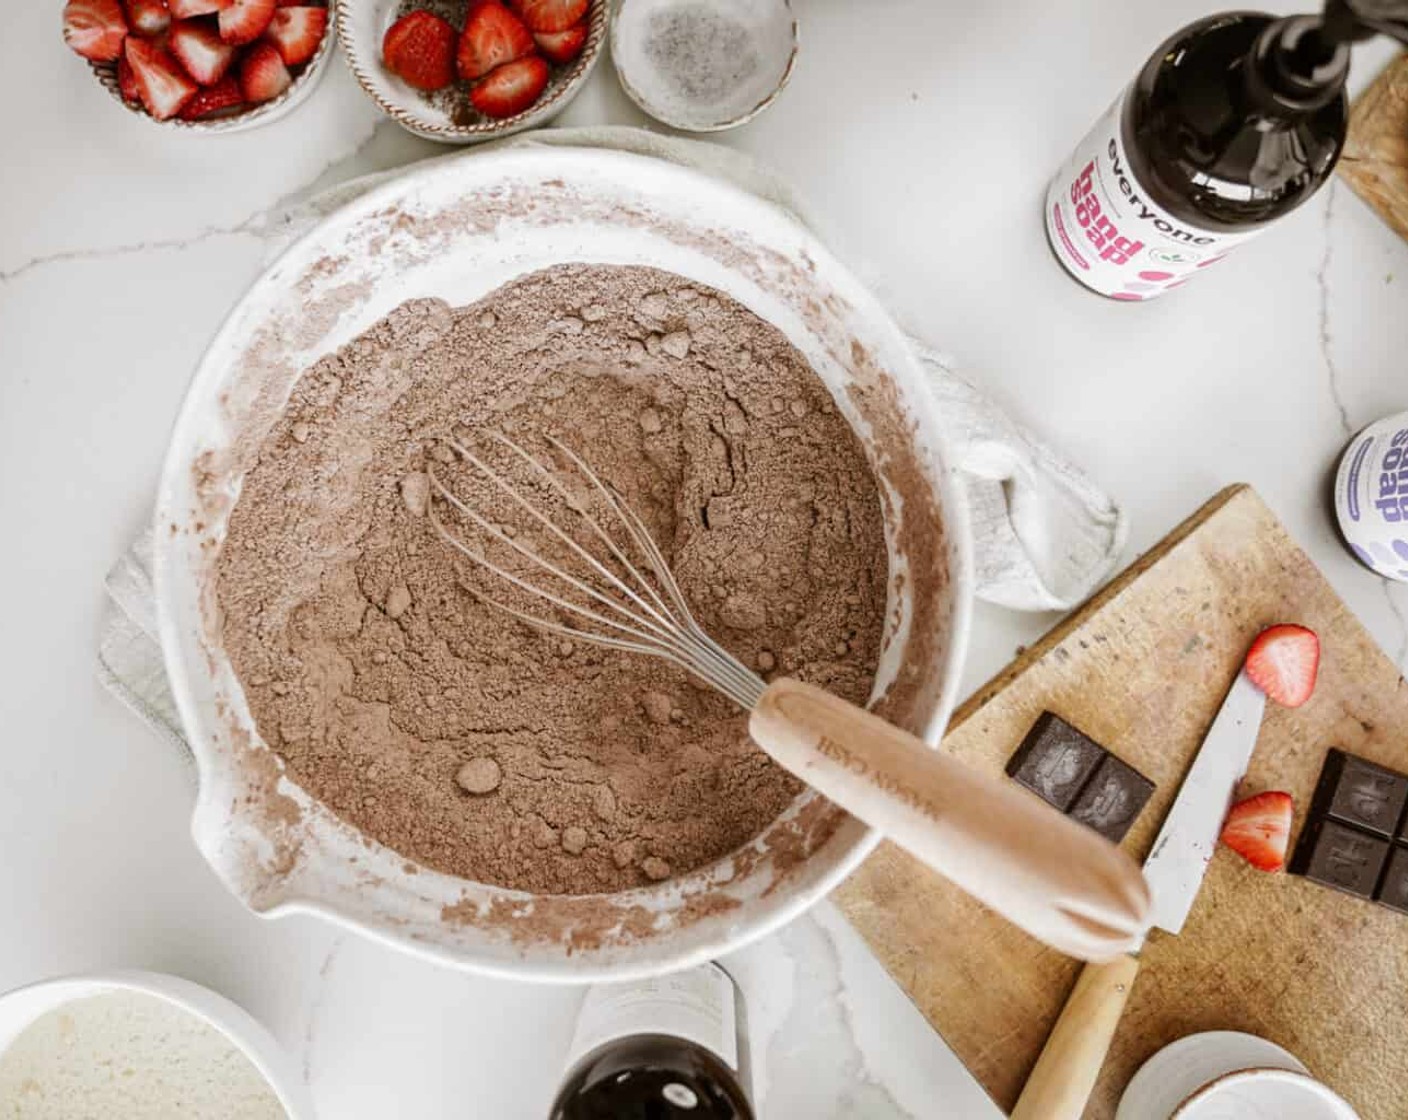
x=1107, y=232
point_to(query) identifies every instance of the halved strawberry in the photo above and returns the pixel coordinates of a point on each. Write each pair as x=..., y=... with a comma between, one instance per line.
x=245, y=20
x=1259, y=828
x=420, y=49
x=95, y=28
x=1283, y=662
x=551, y=16
x=199, y=48
x=189, y=9
x=297, y=33
x=224, y=94
x=511, y=88
x=127, y=82
x=493, y=35
x=161, y=83
x=562, y=46
x=148, y=17
x=263, y=74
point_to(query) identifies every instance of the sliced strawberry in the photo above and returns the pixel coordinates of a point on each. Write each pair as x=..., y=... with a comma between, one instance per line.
x=245, y=20
x=263, y=74
x=147, y=17
x=224, y=94
x=199, y=48
x=420, y=49
x=562, y=46
x=189, y=9
x=511, y=88
x=551, y=16
x=1259, y=828
x=297, y=33
x=493, y=35
x=95, y=28
x=1283, y=662
x=127, y=82
x=161, y=83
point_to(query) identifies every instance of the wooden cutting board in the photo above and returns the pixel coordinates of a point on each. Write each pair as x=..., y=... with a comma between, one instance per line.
x=1143, y=668
x=1375, y=159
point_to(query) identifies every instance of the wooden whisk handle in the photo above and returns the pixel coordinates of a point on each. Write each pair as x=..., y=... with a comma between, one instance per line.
x=1058, y=880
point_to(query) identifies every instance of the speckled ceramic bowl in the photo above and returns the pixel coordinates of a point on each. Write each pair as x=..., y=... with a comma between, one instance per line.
x=704, y=65
x=304, y=83
x=362, y=25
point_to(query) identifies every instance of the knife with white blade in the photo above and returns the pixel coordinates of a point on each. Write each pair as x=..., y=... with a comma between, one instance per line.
x=1064, y=1075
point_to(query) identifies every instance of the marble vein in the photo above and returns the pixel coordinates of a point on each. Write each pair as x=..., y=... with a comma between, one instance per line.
x=1397, y=611
x=1322, y=280
x=862, y=1093
x=315, y=1006
x=251, y=226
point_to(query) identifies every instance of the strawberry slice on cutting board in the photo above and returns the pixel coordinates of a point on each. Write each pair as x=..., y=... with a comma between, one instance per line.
x=161, y=83
x=1283, y=662
x=1259, y=828
x=96, y=29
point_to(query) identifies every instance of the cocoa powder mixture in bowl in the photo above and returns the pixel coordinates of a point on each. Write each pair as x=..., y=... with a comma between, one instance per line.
x=463, y=739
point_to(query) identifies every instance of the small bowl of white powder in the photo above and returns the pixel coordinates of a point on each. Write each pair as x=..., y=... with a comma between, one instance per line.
x=139, y=1046
x=703, y=65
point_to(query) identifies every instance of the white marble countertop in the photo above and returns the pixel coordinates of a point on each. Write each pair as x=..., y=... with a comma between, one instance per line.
x=923, y=135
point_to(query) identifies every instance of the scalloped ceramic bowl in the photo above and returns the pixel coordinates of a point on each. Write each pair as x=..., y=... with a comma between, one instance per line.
x=267, y=112
x=22, y=1006
x=457, y=229
x=362, y=25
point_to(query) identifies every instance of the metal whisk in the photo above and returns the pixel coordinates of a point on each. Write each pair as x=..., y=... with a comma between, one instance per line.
x=653, y=618
x=1061, y=882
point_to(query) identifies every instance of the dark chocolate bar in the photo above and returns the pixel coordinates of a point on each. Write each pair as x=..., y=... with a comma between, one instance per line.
x=1072, y=772
x=1393, y=891
x=1360, y=793
x=1112, y=798
x=1341, y=857
x=1055, y=761
x=1355, y=817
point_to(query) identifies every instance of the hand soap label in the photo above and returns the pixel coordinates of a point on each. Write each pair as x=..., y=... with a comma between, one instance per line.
x=1371, y=496
x=1110, y=235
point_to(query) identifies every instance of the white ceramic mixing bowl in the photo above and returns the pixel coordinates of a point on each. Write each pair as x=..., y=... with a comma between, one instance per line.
x=458, y=229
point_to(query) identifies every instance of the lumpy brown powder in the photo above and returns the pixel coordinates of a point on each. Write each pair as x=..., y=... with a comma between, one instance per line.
x=463, y=738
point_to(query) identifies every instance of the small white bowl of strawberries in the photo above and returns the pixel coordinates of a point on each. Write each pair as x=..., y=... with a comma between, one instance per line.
x=203, y=65
x=460, y=71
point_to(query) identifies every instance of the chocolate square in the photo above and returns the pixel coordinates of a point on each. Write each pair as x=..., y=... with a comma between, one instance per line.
x=1341, y=857
x=1055, y=760
x=1393, y=891
x=1112, y=799
x=1360, y=793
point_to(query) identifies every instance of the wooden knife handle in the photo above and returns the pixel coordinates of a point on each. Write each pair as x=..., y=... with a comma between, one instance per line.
x=1058, y=880
x=1064, y=1075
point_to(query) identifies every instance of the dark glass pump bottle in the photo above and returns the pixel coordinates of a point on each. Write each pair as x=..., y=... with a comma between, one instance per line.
x=1232, y=123
x=668, y=1048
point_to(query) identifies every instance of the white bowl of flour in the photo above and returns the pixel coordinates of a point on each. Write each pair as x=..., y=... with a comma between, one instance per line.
x=139, y=1046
